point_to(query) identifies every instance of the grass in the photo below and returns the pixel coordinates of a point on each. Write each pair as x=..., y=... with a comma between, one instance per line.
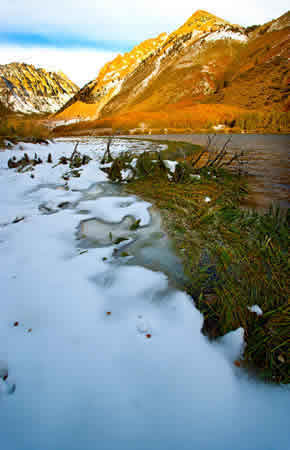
x=233, y=258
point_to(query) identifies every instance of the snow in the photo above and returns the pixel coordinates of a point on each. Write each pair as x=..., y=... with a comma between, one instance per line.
x=232, y=344
x=134, y=162
x=170, y=165
x=114, y=209
x=127, y=174
x=154, y=72
x=59, y=123
x=108, y=354
x=256, y=309
x=116, y=87
x=225, y=34
x=36, y=104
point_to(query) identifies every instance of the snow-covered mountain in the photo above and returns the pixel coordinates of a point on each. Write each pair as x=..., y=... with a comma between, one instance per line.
x=205, y=61
x=27, y=89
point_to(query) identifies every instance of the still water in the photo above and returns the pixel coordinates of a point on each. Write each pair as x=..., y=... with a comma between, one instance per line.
x=267, y=163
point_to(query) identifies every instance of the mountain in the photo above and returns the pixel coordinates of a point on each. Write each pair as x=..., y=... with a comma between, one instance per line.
x=27, y=89
x=90, y=100
x=208, y=70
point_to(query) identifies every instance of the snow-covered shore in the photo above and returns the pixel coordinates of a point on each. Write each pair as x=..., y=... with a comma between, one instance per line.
x=106, y=354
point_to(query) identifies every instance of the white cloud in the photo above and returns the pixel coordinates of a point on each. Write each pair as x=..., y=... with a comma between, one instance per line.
x=128, y=19
x=112, y=20
x=79, y=65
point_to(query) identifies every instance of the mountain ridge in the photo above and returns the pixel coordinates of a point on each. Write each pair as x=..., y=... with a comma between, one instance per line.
x=25, y=88
x=206, y=61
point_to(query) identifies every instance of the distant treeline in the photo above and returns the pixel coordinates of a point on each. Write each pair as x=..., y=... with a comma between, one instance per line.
x=274, y=121
x=196, y=118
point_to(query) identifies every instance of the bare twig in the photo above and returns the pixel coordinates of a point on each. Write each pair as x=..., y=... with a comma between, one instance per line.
x=210, y=141
x=107, y=155
x=74, y=151
x=221, y=153
x=236, y=157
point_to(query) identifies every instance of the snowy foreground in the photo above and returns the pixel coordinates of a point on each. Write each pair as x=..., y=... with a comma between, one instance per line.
x=101, y=352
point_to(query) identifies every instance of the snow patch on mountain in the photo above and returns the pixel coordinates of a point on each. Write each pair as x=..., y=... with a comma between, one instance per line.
x=226, y=34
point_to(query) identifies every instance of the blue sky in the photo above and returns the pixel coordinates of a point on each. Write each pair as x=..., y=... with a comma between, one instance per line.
x=60, y=31
x=60, y=40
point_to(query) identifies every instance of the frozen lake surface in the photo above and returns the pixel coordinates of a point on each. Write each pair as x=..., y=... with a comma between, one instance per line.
x=102, y=350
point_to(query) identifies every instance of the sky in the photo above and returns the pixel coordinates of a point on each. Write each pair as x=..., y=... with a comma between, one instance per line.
x=78, y=37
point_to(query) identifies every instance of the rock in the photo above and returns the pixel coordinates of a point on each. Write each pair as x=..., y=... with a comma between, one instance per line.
x=64, y=205
x=18, y=219
x=3, y=370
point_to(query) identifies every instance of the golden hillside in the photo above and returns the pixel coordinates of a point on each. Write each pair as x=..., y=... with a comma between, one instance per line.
x=89, y=101
x=207, y=61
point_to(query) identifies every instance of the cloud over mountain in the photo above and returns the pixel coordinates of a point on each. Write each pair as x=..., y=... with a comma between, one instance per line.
x=119, y=21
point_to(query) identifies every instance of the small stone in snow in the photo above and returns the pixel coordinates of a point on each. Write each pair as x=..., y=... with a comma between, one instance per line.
x=148, y=336
x=108, y=313
x=64, y=205
x=3, y=372
x=16, y=324
x=29, y=330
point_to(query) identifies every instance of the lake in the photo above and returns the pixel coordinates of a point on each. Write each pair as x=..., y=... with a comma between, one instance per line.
x=267, y=163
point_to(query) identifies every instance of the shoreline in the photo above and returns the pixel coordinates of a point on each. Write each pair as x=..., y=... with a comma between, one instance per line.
x=225, y=258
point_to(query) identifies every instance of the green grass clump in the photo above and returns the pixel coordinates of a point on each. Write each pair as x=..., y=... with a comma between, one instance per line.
x=250, y=260
x=233, y=259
